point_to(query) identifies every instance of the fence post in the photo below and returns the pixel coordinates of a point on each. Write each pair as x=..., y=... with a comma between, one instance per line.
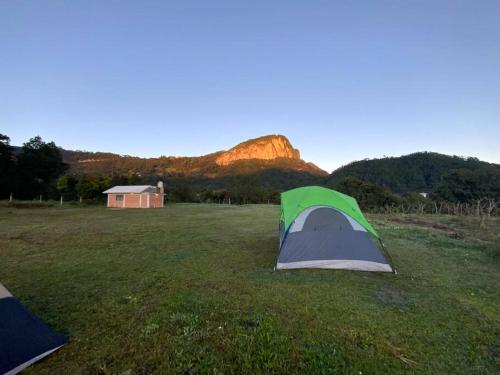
x=61, y=200
x=40, y=198
x=10, y=198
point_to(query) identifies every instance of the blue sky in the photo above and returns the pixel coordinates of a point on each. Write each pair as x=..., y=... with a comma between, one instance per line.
x=343, y=80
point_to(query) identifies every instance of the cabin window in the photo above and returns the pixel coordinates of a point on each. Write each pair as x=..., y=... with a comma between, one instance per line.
x=119, y=198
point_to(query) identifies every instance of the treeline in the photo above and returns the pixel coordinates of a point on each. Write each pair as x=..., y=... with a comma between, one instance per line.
x=241, y=189
x=32, y=171
x=458, y=198
x=90, y=187
x=370, y=197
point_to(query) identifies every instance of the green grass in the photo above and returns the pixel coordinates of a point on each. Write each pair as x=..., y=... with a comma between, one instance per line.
x=191, y=289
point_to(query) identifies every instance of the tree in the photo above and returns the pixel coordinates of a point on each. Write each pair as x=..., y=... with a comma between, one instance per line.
x=245, y=189
x=7, y=166
x=92, y=186
x=207, y=196
x=368, y=195
x=39, y=165
x=67, y=186
x=464, y=185
x=181, y=192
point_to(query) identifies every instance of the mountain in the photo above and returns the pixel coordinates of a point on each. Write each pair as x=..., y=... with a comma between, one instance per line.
x=268, y=147
x=270, y=158
x=422, y=172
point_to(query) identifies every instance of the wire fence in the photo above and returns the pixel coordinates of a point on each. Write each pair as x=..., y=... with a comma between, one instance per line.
x=480, y=207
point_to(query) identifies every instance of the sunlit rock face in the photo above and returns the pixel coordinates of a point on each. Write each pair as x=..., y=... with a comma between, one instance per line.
x=266, y=148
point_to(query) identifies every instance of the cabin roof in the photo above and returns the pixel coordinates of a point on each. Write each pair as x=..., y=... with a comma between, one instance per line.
x=130, y=189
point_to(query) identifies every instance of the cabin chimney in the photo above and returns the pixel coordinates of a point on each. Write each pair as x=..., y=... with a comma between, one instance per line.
x=161, y=190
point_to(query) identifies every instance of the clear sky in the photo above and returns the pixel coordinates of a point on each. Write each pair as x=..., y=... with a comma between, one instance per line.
x=344, y=80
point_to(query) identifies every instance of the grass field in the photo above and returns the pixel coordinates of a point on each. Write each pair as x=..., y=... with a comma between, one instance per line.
x=191, y=289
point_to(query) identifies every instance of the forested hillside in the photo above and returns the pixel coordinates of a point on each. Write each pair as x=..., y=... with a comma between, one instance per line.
x=451, y=177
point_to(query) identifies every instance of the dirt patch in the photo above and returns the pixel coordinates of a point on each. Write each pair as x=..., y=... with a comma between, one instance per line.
x=450, y=231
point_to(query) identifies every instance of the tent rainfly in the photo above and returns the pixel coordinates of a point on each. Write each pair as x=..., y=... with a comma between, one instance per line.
x=24, y=339
x=322, y=228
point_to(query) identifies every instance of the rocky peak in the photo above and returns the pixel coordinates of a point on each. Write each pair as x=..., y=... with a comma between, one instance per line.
x=266, y=148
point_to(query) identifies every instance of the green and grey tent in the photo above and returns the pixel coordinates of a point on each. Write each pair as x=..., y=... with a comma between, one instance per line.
x=322, y=228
